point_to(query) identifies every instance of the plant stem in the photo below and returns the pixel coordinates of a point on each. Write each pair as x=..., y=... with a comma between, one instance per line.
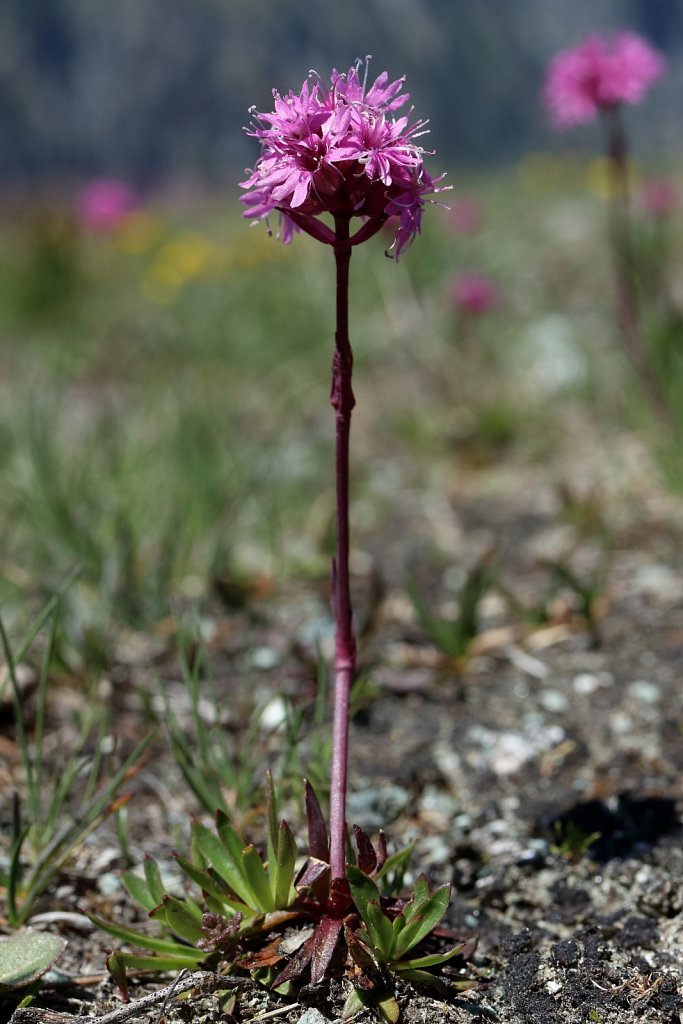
x=628, y=307
x=345, y=644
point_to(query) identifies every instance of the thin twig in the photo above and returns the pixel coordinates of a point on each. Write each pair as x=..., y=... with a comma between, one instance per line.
x=274, y=1013
x=206, y=981
x=172, y=989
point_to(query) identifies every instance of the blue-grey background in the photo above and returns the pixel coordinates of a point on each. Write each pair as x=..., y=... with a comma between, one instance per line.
x=156, y=89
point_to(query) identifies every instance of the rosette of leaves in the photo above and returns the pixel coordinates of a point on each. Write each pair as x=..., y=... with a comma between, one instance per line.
x=382, y=936
x=238, y=895
x=242, y=897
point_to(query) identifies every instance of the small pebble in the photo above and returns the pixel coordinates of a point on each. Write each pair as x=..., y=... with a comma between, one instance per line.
x=313, y=1016
x=264, y=658
x=553, y=700
x=108, y=883
x=620, y=723
x=586, y=683
x=435, y=850
x=375, y=808
x=644, y=692
x=274, y=714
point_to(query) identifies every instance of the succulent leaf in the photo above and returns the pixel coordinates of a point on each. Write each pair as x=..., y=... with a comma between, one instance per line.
x=420, y=962
x=425, y=978
x=257, y=880
x=394, y=867
x=282, y=871
x=365, y=895
x=153, y=877
x=167, y=947
x=213, y=886
x=224, y=862
x=272, y=834
x=26, y=956
x=181, y=918
x=324, y=943
x=429, y=913
x=367, y=857
x=229, y=836
x=138, y=890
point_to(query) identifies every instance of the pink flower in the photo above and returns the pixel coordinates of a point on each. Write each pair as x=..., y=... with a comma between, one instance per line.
x=340, y=150
x=599, y=74
x=473, y=293
x=658, y=198
x=104, y=204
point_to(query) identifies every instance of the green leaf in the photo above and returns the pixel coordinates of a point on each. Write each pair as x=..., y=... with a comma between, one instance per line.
x=115, y=963
x=420, y=893
x=429, y=913
x=164, y=946
x=257, y=879
x=394, y=868
x=229, y=836
x=425, y=978
x=223, y=861
x=26, y=956
x=141, y=962
x=282, y=872
x=365, y=895
x=397, y=926
x=154, y=883
x=353, y=1003
x=138, y=890
x=179, y=918
x=272, y=837
x=360, y=999
x=388, y=1007
x=214, y=887
x=433, y=960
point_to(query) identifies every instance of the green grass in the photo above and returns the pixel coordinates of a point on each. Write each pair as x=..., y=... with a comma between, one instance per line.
x=56, y=805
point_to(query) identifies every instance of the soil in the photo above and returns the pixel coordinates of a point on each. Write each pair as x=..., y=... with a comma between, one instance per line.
x=502, y=765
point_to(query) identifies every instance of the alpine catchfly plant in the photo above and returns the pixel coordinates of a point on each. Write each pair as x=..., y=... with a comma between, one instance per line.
x=341, y=150
x=595, y=80
x=599, y=75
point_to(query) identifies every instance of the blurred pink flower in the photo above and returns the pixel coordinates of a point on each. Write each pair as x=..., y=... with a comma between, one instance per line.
x=659, y=197
x=598, y=74
x=104, y=203
x=465, y=216
x=339, y=149
x=473, y=293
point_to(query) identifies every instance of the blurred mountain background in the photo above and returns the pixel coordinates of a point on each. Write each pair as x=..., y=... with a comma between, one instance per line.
x=157, y=89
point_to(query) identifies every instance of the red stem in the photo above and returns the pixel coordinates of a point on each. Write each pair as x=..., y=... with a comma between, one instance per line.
x=345, y=644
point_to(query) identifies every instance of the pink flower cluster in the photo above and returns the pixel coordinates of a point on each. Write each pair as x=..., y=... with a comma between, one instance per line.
x=104, y=203
x=340, y=150
x=599, y=74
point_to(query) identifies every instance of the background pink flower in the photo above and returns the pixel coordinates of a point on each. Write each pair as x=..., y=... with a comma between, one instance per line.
x=598, y=74
x=473, y=293
x=103, y=204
